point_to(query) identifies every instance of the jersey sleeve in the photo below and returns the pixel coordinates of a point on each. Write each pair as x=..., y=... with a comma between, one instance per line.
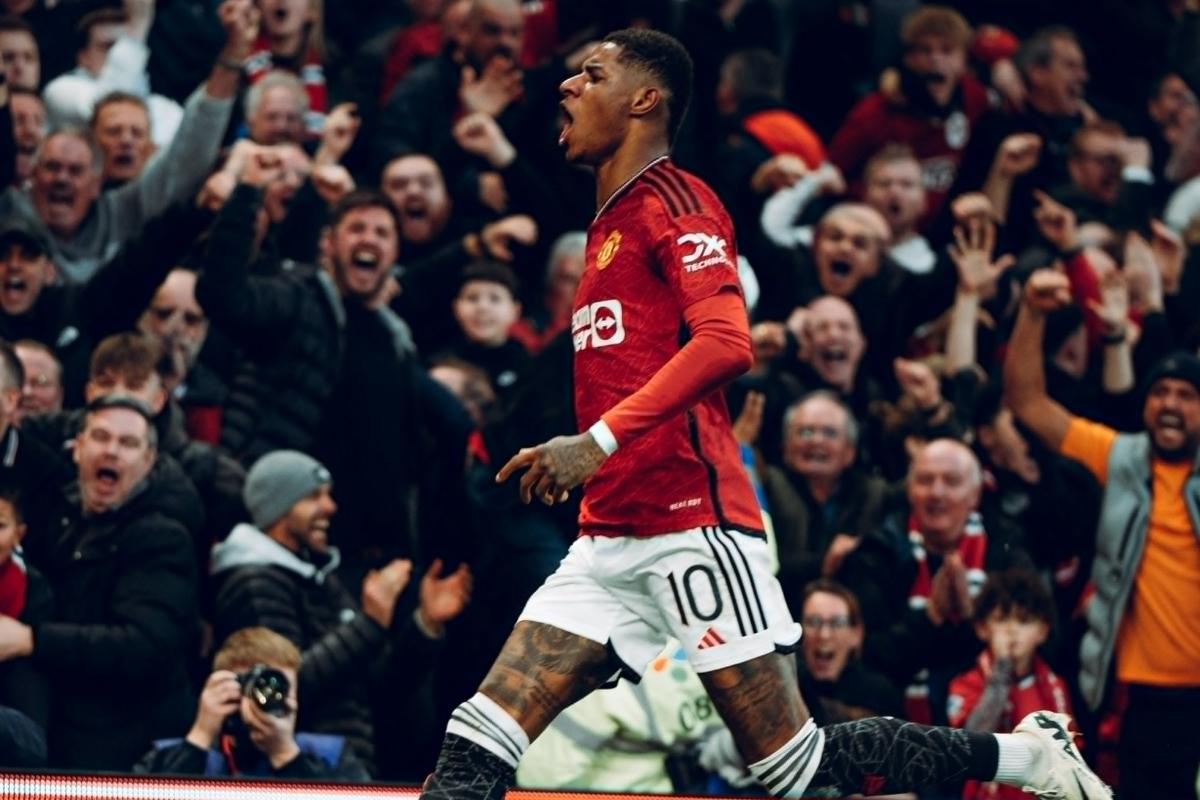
x=696, y=254
x=1089, y=443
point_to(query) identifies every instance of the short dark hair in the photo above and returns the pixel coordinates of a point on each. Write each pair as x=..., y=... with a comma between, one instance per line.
x=1015, y=593
x=129, y=404
x=363, y=198
x=112, y=98
x=1038, y=49
x=667, y=60
x=754, y=72
x=101, y=16
x=490, y=272
x=10, y=366
x=830, y=586
x=1102, y=127
x=11, y=23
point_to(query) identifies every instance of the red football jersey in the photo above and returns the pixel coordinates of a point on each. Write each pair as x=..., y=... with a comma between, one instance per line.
x=937, y=144
x=661, y=243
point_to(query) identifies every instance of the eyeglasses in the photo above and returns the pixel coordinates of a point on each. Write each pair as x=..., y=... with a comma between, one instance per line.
x=809, y=432
x=838, y=623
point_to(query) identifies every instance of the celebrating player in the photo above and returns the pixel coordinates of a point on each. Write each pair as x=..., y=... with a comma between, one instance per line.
x=671, y=540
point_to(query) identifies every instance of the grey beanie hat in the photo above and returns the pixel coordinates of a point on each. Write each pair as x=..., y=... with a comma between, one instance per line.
x=277, y=481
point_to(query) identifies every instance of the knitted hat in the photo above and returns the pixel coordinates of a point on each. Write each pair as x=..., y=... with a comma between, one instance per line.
x=1180, y=364
x=277, y=481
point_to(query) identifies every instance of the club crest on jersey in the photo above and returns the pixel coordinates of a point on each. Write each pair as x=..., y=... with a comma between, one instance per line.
x=598, y=324
x=608, y=250
x=708, y=250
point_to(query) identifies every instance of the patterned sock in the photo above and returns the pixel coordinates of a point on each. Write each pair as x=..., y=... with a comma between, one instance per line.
x=467, y=771
x=883, y=755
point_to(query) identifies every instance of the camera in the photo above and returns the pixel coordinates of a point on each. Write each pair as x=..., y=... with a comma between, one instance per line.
x=267, y=687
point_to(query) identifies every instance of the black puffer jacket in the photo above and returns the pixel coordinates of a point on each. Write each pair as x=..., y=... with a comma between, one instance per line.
x=291, y=327
x=287, y=325
x=181, y=499
x=123, y=631
x=257, y=581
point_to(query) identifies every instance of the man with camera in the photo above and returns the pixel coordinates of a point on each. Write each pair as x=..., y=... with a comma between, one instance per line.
x=246, y=721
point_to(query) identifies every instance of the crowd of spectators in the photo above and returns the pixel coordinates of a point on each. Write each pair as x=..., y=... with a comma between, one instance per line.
x=282, y=282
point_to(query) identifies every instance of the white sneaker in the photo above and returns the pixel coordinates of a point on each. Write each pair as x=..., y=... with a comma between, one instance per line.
x=1059, y=772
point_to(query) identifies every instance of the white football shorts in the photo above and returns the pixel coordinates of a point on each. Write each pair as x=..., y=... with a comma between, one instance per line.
x=709, y=588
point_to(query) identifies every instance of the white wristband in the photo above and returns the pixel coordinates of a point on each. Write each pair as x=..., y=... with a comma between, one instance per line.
x=604, y=437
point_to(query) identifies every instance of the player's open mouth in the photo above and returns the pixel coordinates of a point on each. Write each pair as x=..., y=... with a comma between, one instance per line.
x=123, y=159
x=567, y=121
x=841, y=268
x=1170, y=421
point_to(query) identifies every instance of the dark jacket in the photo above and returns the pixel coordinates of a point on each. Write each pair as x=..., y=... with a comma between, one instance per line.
x=37, y=472
x=321, y=758
x=177, y=496
x=71, y=319
x=257, y=581
x=209, y=507
x=123, y=629
x=856, y=508
x=290, y=326
x=901, y=640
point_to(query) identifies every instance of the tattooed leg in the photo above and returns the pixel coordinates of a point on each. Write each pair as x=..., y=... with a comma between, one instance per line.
x=540, y=671
x=761, y=704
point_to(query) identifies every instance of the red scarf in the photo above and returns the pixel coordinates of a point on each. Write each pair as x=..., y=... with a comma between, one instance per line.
x=13, y=587
x=972, y=547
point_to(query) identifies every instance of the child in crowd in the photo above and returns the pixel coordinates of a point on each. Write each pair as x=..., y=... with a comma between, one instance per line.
x=25, y=596
x=1013, y=615
x=485, y=309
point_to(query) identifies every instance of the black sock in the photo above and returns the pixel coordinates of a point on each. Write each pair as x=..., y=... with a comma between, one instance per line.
x=882, y=755
x=466, y=771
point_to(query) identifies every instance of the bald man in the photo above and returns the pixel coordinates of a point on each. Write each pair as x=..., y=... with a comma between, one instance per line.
x=917, y=577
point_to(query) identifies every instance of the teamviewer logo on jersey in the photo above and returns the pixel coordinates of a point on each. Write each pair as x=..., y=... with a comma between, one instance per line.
x=707, y=251
x=598, y=325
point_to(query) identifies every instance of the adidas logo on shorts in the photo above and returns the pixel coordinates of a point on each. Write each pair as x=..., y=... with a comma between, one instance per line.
x=710, y=639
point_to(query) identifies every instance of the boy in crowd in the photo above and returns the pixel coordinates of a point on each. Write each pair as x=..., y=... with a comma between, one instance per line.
x=485, y=309
x=1013, y=616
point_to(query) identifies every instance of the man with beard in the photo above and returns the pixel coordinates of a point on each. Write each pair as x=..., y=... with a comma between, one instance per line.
x=279, y=573
x=117, y=646
x=1146, y=570
x=87, y=226
x=933, y=108
x=336, y=371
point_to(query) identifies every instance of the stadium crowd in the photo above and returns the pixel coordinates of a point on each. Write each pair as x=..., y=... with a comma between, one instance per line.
x=284, y=282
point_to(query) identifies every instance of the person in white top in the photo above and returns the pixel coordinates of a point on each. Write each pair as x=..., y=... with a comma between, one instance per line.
x=892, y=186
x=112, y=58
